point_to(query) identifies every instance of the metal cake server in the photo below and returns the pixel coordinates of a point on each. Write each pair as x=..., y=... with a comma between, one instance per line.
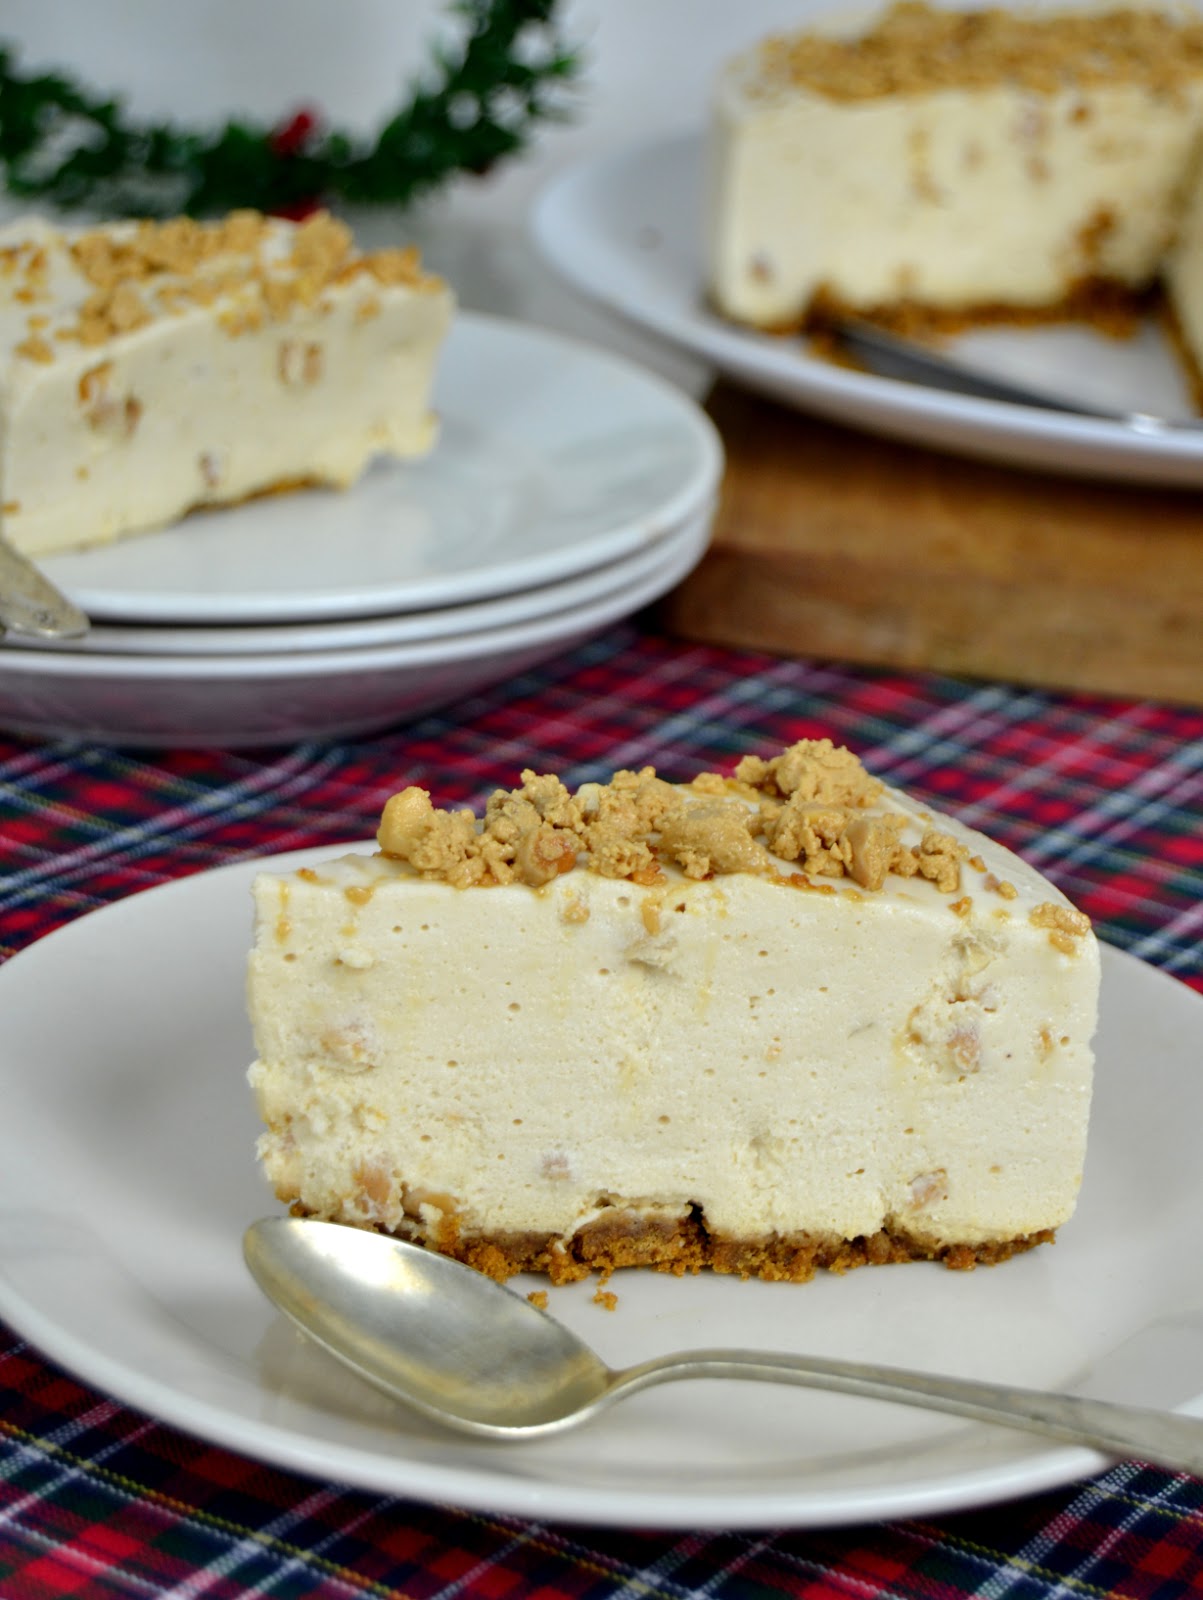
x=473, y=1355
x=30, y=605
x=892, y=357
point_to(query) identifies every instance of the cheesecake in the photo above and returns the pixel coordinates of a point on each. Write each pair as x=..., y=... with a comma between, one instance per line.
x=152, y=368
x=948, y=168
x=766, y=1023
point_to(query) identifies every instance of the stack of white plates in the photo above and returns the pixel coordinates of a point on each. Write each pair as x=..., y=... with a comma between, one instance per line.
x=568, y=489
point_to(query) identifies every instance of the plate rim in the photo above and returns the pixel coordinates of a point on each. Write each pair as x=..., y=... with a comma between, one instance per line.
x=1045, y=1467
x=446, y=648
x=152, y=701
x=971, y=425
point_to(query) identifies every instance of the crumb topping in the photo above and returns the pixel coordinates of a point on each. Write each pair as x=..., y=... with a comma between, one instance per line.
x=917, y=48
x=812, y=770
x=1052, y=914
x=261, y=270
x=807, y=806
x=872, y=849
x=713, y=836
x=1065, y=925
x=938, y=858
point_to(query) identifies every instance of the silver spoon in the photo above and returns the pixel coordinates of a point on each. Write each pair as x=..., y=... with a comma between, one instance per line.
x=892, y=357
x=30, y=605
x=470, y=1353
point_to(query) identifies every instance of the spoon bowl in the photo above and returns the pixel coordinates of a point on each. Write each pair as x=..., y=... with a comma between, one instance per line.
x=475, y=1356
x=428, y=1330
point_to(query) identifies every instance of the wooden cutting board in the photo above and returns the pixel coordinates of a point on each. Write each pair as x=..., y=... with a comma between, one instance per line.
x=832, y=543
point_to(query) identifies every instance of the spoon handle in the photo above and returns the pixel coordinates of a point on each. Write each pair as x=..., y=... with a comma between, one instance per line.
x=30, y=605
x=1162, y=1438
x=892, y=357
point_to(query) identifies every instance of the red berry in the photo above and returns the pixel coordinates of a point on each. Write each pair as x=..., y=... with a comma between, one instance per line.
x=292, y=136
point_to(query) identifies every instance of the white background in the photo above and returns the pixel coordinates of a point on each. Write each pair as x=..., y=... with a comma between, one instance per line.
x=649, y=62
x=649, y=67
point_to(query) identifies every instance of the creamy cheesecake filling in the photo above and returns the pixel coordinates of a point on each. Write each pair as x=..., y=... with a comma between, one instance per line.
x=152, y=368
x=1182, y=275
x=765, y=1025
x=944, y=167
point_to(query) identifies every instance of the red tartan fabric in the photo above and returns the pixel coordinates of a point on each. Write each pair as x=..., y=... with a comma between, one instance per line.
x=1105, y=797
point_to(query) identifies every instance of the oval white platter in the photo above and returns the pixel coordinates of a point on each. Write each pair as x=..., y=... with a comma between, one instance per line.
x=627, y=229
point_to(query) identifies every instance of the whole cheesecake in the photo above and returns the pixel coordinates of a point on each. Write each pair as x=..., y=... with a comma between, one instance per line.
x=945, y=168
x=767, y=1023
x=150, y=368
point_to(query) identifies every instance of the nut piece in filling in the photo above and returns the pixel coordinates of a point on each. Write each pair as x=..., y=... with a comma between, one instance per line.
x=763, y=1022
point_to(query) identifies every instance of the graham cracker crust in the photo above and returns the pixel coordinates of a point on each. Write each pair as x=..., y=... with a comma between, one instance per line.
x=679, y=1246
x=1108, y=307
x=1105, y=304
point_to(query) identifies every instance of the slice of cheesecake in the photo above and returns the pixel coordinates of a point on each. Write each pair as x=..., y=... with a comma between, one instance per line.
x=150, y=368
x=764, y=1024
x=947, y=167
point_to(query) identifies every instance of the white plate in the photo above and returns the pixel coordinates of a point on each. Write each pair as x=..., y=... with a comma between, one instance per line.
x=127, y=1177
x=410, y=627
x=245, y=699
x=627, y=229
x=553, y=458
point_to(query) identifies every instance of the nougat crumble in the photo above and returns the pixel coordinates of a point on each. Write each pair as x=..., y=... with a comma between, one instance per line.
x=1066, y=925
x=917, y=48
x=808, y=806
x=250, y=267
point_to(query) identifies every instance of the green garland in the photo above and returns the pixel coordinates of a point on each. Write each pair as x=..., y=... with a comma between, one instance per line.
x=62, y=146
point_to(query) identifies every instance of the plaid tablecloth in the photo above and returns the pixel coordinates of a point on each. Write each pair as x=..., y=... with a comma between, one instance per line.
x=1105, y=797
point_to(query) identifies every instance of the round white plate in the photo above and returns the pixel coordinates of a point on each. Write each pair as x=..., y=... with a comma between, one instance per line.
x=409, y=627
x=237, y=700
x=127, y=1176
x=553, y=458
x=627, y=229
